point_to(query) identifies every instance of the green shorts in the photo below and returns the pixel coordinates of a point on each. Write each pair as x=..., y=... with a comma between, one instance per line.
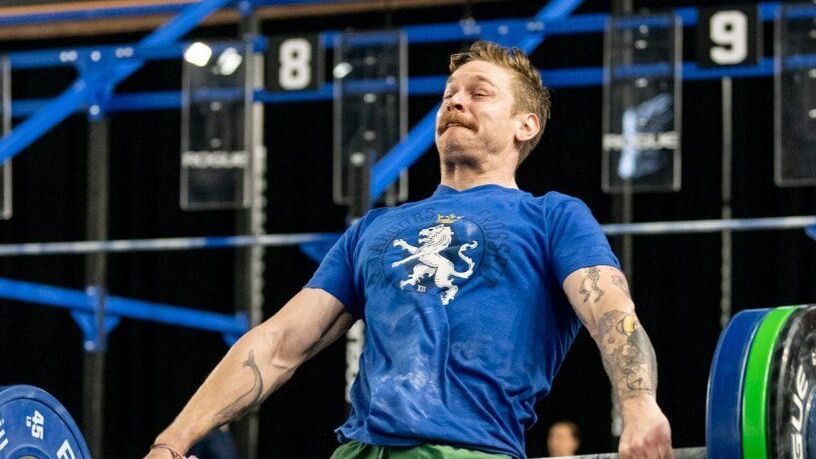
x=357, y=450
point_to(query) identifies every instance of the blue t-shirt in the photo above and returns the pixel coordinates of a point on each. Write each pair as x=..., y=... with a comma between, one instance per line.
x=466, y=318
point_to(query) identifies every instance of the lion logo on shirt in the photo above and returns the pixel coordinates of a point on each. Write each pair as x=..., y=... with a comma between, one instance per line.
x=431, y=263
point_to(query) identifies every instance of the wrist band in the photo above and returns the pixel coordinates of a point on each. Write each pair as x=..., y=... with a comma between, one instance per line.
x=175, y=453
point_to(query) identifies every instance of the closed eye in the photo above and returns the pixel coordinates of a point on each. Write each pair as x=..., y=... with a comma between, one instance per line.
x=481, y=92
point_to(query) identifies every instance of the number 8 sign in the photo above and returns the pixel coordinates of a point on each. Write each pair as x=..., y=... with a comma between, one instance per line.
x=293, y=63
x=728, y=37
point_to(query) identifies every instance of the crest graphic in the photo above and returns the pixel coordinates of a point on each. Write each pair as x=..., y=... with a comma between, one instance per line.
x=431, y=262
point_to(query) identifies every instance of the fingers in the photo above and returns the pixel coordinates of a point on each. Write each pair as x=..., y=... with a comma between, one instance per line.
x=647, y=453
x=666, y=452
x=661, y=449
x=664, y=446
x=646, y=448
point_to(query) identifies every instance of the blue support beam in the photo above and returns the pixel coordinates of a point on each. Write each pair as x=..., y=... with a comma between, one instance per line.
x=416, y=34
x=417, y=86
x=116, y=306
x=87, y=321
x=552, y=11
x=100, y=78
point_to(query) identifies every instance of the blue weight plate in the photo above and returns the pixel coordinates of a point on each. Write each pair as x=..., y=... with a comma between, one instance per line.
x=725, y=383
x=33, y=423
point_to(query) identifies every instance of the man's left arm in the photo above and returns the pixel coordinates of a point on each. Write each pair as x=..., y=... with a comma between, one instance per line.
x=601, y=299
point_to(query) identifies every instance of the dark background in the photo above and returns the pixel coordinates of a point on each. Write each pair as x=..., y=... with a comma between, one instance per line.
x=152, y=369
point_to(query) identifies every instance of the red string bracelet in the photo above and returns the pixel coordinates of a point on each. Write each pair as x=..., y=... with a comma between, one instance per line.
x=175, y=453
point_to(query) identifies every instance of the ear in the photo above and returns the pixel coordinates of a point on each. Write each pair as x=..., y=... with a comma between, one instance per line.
x=528, y=127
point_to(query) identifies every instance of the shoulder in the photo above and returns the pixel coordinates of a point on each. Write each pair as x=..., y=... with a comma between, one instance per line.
x=554, y=204
x=556, y=198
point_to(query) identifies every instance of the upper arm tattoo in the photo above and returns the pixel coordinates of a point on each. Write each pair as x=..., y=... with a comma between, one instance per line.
x=627, y=354
x=589, y=284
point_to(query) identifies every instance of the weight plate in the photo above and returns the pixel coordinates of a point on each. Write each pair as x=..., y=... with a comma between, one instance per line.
x=34, y=424
x=757, y=374
x=725, y=382
x=791, y=417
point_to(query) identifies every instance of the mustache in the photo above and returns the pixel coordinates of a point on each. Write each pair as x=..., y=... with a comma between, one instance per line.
x=453, y=118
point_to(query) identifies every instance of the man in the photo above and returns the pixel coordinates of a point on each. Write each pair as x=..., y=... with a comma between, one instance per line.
x=562, y=439
x=466, y=297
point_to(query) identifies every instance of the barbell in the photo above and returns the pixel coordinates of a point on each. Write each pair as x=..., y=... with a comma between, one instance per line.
x=760, y=398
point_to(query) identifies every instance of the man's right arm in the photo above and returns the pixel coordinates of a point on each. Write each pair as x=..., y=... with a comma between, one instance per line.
x=257, y=365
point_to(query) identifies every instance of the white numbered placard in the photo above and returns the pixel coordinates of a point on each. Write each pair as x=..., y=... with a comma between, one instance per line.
x=729, y=36
x=294, y=63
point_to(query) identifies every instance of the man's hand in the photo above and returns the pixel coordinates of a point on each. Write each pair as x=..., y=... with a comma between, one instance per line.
x=157, y=454
x=161, y=453
x=646, y=431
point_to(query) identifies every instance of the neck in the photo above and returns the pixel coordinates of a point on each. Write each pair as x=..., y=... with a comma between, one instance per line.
x=460, y=177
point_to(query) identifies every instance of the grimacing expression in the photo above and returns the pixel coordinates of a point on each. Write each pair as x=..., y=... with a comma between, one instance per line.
x=477, y=115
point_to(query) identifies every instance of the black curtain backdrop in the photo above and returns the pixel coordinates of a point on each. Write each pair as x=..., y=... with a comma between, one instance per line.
x=153, y=369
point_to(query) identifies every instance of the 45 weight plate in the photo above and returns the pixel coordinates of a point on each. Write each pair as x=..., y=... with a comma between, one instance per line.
x=33, y=423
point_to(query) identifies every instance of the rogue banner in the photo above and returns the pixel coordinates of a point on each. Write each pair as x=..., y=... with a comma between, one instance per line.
x=641, y=125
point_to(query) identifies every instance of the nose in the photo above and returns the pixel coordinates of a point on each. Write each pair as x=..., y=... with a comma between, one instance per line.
x=455, y=102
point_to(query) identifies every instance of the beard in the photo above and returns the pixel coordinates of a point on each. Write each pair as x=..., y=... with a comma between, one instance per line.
x=458, y=151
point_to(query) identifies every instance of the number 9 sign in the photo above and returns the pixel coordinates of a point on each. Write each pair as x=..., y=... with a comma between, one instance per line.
x=293, y=63
x=728, y=37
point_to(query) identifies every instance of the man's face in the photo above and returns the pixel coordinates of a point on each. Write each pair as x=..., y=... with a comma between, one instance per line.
x=560, y=441
x=477, y=114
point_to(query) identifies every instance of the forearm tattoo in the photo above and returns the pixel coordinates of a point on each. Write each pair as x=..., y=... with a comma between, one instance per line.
x=247, y=400
x=589, y=284
x=627, y=354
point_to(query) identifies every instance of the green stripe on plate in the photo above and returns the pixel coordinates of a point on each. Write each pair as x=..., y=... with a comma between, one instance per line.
x=754, y=394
